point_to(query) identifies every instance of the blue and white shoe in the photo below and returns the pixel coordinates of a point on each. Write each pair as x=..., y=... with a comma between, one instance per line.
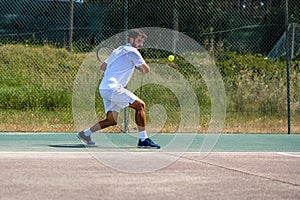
x=86, y=139
x=147, y=143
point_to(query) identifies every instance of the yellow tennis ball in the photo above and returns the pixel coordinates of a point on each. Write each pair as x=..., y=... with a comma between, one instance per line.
x=171, y=58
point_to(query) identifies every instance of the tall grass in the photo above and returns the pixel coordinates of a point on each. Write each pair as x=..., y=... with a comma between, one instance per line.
x=257, y=84
x=38, y=80
x=37, y=77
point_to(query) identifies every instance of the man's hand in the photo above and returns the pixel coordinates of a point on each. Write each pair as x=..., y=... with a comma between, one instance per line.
x=144, y=68
x=103, y=66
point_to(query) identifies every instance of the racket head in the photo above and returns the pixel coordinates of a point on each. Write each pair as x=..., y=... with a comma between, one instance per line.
x=103, y=52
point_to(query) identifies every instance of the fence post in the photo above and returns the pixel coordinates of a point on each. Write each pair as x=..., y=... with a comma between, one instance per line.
x=71, y=25
x=293, y=40
x=287, y=49
x=126, y=111
x=175, y=26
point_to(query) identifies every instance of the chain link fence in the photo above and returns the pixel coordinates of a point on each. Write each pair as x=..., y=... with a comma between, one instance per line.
x=254, y=44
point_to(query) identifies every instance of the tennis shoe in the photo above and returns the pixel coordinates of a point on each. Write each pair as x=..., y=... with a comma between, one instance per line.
x=86, y=139
x=147, y=143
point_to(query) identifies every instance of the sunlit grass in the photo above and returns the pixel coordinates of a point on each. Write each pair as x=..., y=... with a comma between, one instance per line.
x=36, y=86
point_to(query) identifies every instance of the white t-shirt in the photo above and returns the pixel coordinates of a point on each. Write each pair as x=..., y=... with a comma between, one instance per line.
x=120, y=66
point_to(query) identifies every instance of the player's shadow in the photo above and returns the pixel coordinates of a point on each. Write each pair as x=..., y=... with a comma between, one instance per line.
x=71, y=146
x=81, y=146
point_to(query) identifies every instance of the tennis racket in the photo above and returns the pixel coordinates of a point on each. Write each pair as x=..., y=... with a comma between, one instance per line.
x=103, y=52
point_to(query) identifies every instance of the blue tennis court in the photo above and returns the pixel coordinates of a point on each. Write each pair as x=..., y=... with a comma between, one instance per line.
x=44, y=142
x=239, y=166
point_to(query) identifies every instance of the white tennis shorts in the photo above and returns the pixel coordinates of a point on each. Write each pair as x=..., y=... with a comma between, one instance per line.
x=117, y=98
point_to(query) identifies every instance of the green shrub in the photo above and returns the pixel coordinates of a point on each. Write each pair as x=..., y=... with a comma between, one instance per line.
x=37, y=77
x=34, y=98
x=42, y=77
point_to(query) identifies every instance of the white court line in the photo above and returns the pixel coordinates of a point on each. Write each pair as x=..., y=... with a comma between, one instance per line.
x=289, y=154
x=42, y=152
x=170, y=152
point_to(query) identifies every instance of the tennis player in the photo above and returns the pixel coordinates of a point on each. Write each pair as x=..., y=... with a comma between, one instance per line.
x=118, y=69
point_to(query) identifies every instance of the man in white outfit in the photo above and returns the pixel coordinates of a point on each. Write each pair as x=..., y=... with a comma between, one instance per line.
x=118, y=70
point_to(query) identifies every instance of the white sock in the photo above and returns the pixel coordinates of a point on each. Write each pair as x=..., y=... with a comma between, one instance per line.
x=87, y=132
x=143, y=135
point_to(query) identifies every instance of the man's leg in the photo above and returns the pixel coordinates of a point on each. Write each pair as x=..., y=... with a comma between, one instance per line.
x=140, y=114
x=110, y=120
x=140, y=119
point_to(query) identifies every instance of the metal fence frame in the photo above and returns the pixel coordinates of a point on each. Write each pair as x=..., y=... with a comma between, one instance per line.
x=125, y=6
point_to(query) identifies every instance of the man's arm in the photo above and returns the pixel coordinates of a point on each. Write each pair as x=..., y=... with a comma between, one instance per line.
x=103, y=66
x=144, y=68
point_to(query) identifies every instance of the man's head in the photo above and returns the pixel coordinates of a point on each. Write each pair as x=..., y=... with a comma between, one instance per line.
x=136, y=38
